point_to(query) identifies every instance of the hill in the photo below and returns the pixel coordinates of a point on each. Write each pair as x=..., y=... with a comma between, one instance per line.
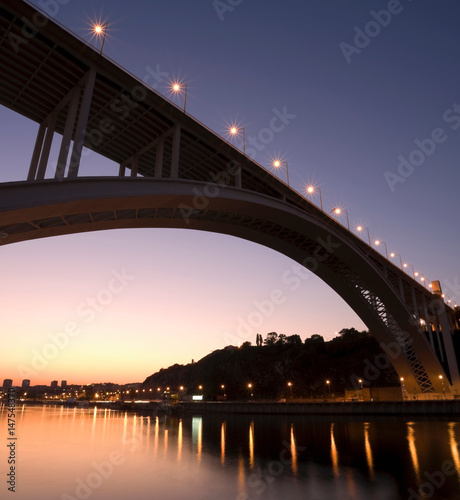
x=269, y=367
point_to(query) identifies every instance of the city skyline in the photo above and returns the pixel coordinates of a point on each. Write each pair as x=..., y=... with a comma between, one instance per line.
x=372, y=126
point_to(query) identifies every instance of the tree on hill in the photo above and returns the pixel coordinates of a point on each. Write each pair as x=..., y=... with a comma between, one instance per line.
x=271, y=338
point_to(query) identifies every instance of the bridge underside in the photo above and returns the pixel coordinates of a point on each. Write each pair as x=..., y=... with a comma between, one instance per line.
x=50, y=208
x=183, y=175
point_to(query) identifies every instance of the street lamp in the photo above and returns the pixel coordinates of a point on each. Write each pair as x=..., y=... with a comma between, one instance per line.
x=414, y=274
x=177, y=88
x=360, y=228
x=338, y=211
x=402, y=387
x=101, y=30
x=378, y=242
x=250, y=390
x=392, y=254
x=278, y=164
x=443, y=389
x=236, y=132
x=312, y=190
x=290, y=389
x=328, y=383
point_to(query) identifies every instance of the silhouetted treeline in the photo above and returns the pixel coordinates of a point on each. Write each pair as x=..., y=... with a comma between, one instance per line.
x=281, y=359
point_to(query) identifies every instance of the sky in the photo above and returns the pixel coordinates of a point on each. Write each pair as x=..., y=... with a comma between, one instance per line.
x=373, y=92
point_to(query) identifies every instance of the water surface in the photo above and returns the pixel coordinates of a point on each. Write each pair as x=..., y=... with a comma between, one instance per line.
x=65, y=453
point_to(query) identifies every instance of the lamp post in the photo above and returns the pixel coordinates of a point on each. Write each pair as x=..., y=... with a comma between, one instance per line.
x=414, y=274
x=378, y=242
x=443, y=389
x=101, y=30
x=402, y=387
x=236, y=131
x=250, y=390
x=392, y=254
x=361, y=228
x=328, y=383
x=312, y=190
x=290, y=389
x=338, y=211
x=278, y=164
x=177, y=88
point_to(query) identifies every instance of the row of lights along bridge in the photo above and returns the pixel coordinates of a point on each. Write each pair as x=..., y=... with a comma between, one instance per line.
x=179, y=88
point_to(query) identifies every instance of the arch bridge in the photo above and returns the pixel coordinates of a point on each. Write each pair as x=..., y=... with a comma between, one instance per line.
x=174, y=172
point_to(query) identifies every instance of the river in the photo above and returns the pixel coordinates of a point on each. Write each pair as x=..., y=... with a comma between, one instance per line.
x=70, y=453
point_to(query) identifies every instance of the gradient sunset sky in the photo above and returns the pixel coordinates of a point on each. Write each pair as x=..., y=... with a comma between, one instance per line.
x=362, y=105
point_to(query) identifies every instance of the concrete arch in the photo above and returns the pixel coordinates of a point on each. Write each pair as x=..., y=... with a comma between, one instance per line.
x=31, y=210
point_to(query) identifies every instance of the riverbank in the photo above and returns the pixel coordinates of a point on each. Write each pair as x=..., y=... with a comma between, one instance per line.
x=443, y=407
x=363, y=408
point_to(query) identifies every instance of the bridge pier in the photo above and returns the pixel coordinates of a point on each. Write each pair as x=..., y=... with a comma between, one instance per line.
x=75, y=158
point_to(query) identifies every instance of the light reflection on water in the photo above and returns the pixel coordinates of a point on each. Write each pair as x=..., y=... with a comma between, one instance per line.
x=66, y=453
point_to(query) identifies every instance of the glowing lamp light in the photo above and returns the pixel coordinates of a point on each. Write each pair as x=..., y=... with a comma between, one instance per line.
x=176, y=87
x=312, y=190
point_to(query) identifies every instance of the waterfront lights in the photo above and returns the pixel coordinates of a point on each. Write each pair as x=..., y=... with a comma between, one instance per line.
x=278, y=164
x=100, y=30
x=361, y=228
x=235, y=131
x=378, y=242
x=179, y=88
x=338, y=211
x=312, y=190
x=392, y=254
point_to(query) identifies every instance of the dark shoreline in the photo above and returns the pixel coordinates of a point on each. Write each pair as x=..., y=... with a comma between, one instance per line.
x=443, y=407
x=351, y=408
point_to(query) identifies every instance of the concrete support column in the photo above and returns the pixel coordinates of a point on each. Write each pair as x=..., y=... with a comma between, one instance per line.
x=175, y=153
x=438, y=333
x=122, y=170
x=81, y=125
x=414, y=301
x=159, y=158
x=134, y=166
x=46, y=147
x=67, y=135
x=238, y=178
x=428, y=324
x=401, y=289
x=37, y=151
x=449, y=346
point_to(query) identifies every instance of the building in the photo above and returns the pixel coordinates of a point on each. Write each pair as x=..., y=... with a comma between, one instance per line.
x=25, y=383
x=63, y=384
x=7, y=383
x=54, y=384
